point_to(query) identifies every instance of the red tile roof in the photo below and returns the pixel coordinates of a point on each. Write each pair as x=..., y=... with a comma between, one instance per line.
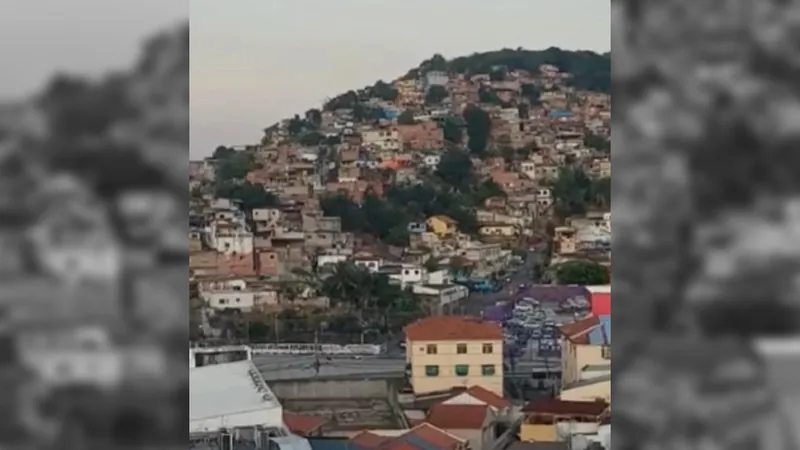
x=458, y=417
x=488, y=397
x=399, y=444
x=562, y=407
x=578, y=332
x=435, y=436
x=368, y=440
x=450, y=328
x=302, y=424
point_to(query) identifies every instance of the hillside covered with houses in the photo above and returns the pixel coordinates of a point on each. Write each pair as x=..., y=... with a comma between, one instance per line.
x=356, y=217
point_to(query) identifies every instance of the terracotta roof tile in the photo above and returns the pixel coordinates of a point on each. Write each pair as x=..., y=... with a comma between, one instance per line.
x=302, y=424
x=563, y=407
x=578, y=332
x=458, y=417
x=400, y=444
x=368, y=440
x=488, y=397
x=446, y=328
x=435, y=436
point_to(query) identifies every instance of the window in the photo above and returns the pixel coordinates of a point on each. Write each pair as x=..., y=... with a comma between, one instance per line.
x=606, y=352
x=462, y=370
x=488, y=348
x=431, y=371
x=487, y=370
x=431, y=349
x=461, y=348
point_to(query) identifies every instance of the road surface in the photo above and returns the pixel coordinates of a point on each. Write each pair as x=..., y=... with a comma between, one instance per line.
x=288, y=367
x=476, y=302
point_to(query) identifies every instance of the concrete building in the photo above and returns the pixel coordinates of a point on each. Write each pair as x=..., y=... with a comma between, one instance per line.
x=584, y=343
x=231, y=395
x=448, y=351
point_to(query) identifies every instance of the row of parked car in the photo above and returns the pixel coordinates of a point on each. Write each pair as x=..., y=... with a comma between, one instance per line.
x=531, y=325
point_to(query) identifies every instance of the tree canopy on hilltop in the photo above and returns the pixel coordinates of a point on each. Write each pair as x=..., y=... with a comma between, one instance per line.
x=590, y=70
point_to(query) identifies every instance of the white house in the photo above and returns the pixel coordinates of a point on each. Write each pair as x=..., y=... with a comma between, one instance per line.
x=230, y=299
x=431, y=160
x=230, y=239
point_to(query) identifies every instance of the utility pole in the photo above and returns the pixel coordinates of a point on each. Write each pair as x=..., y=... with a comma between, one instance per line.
x=317, y=362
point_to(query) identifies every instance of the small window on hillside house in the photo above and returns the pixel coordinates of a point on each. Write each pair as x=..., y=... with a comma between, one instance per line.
x=488, y=348
x=431, y=349
x=462, y=370
x=461, y=348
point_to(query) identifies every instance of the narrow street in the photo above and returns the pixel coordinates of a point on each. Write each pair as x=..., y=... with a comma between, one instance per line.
x=476, y=302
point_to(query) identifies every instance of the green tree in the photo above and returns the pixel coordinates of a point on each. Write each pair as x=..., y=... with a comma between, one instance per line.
x=435, y=95
x=497, y=75
x=584, y=273
x=509, y=154
x=384, y=91
x=597, y=142
x=488, y=96
x=370, y=296
x=572, y=191
x=348, y=100
x=600, y=193
x=222, y=152
x=406, y=117
x=523, y=110
x=591, y=71
x=339, y=205
x=452, y=130
x=455, y=169
x=436, y=63
x=296, y=125
x=314, y=117
x=531, y=92
x=479, y=127
x=250, y=195
x=258, y=331
x=234, y=165
x=311, y=139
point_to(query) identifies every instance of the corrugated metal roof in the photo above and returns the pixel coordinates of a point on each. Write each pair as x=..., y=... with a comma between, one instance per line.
x=601, y=335
x=225, y=389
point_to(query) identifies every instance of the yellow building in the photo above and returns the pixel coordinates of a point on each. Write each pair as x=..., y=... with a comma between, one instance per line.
x=444, y=352
x=442, y=225
x=585, y=344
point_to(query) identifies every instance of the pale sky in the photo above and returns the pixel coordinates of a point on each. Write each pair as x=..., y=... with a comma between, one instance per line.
x=41, y=37
x=255, y=62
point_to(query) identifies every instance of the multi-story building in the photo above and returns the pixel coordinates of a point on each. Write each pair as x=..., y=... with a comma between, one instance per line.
x=421, y=136
x=586, y=348
x=381, y=139
x=449, y=351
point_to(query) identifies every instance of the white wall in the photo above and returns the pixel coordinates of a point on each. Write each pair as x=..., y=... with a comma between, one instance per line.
x=230, y=299
x=268, y=416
